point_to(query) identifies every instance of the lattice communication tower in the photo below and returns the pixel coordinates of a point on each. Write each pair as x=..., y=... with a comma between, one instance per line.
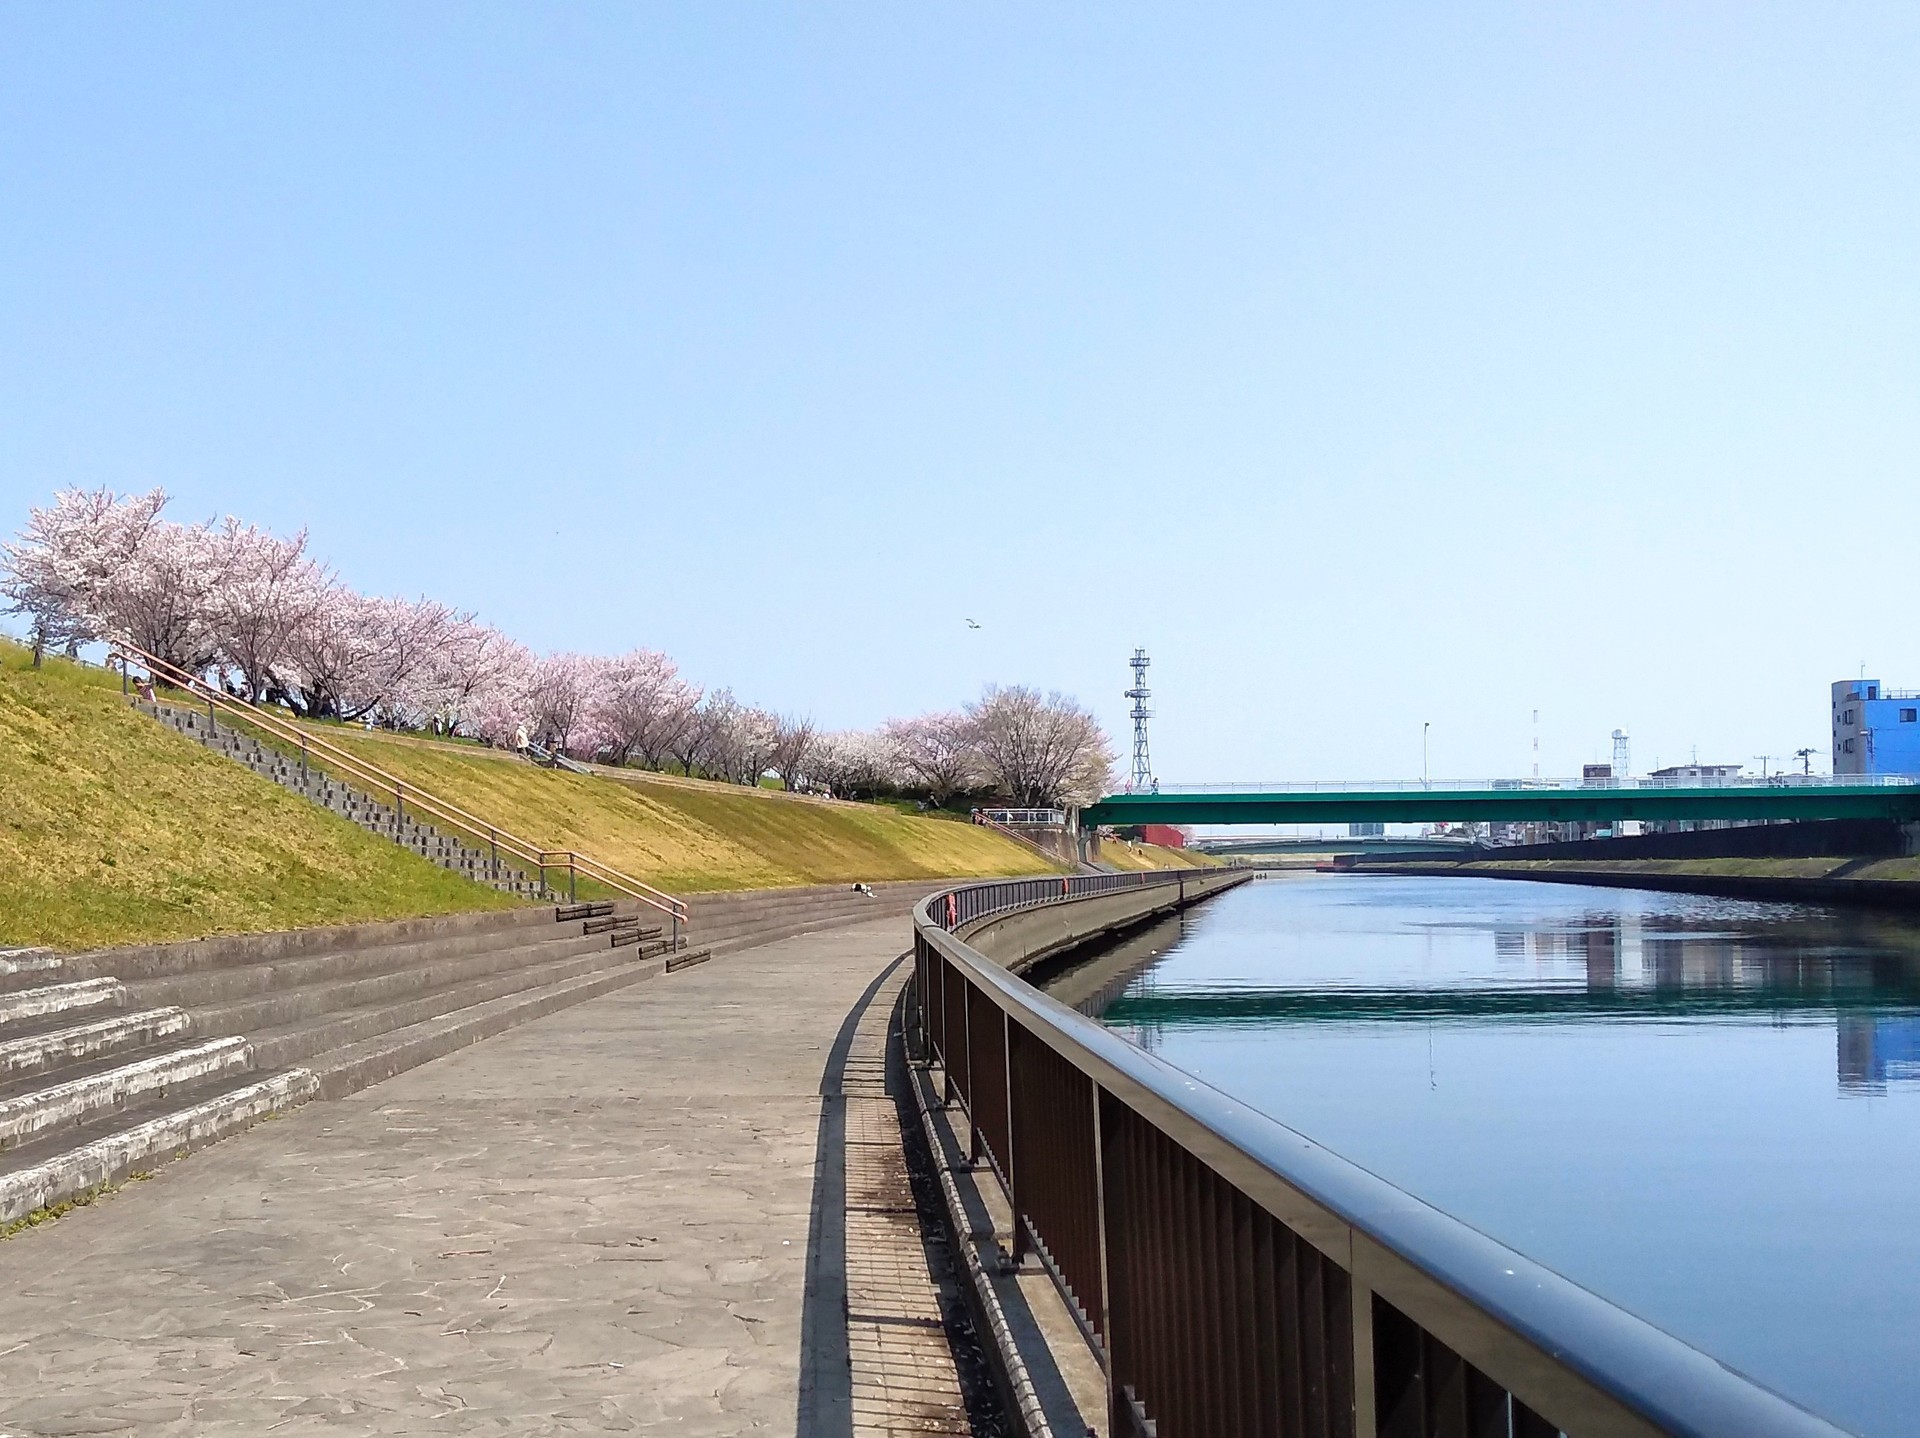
x=1142, y=780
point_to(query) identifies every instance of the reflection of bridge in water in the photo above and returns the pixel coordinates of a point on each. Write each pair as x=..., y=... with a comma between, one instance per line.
x=1638, y=967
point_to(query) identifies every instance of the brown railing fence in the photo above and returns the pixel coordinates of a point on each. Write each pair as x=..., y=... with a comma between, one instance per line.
x=1236, y=1280
x=409, y=800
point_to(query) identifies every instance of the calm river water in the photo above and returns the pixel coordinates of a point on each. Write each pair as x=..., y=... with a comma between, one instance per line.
x=1707, y=1111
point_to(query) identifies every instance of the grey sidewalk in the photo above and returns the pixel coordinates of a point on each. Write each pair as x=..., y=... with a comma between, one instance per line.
x=598, y=1222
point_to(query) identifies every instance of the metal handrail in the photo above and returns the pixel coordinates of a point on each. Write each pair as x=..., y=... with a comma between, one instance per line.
x=404, y=793
x=1181, y=1222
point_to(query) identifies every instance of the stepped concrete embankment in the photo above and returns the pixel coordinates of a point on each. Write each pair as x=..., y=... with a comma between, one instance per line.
x=684, y=1206
x=115, y=1060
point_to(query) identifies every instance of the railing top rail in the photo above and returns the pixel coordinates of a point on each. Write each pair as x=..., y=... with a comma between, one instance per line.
x=423, y=799
x=1667, y=1382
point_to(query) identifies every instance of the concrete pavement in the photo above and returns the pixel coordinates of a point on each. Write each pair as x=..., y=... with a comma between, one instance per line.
x=639, y=1213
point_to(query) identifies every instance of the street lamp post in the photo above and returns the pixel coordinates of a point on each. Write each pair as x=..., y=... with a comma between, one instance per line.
x=1426, y=781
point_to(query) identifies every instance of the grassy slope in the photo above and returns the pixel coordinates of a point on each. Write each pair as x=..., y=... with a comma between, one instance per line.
x=116, y=830
x=687, y=836
x=1119, y=854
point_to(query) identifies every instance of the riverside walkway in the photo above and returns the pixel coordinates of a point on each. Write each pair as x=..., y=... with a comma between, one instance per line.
x=680, y=1208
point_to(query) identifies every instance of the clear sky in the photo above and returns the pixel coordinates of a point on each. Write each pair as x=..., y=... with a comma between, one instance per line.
x=1371, y=364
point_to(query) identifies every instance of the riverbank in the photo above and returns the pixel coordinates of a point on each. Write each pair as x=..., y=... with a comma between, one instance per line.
x=1871, y=882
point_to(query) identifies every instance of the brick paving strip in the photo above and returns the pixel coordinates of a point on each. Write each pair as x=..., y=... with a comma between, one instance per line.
x=682, y=1207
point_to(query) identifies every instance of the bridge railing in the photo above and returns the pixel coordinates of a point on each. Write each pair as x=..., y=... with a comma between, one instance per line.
x=1236, y=1278
x=1663, y=784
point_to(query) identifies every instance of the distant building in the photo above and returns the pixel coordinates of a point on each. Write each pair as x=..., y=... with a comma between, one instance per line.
x=1698, y=771
x=1875, y=730
x=1167, y=836
x=1684, y=772
x=1367, y=831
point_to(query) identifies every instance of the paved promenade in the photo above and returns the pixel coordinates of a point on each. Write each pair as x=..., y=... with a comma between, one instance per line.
x=605, y=1221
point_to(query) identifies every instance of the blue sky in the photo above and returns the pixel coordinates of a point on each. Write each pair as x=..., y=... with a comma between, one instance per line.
x=1370, y=364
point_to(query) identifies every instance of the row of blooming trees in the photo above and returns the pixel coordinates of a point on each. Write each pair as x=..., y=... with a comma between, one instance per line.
x=258, y=613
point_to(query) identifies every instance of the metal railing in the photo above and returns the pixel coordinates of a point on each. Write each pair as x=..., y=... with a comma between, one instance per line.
x=1238, y=1279
x=377, y=781
x=980, y=901
x=1042, y=818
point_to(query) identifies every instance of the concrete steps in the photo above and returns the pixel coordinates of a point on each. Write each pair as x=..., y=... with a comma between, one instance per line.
x=371, y=814
x=114, y=1061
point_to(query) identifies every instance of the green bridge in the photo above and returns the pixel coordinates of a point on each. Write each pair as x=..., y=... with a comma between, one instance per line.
x=1564, y=801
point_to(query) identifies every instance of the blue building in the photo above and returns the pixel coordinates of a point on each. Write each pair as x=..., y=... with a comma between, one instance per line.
x=1875, y=730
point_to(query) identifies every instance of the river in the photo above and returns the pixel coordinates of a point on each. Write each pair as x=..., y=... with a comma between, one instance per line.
x=1707, y=1111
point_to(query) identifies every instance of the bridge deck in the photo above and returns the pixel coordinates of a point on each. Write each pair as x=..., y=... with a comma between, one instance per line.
x=682, y=1206
x=1515, y=803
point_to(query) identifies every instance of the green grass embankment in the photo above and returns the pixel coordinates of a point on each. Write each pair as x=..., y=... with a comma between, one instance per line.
x=690, y=835
x=115, y=829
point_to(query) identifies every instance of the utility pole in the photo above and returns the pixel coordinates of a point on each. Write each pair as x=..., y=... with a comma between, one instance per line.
x=1805, y=756
x=1426, y=779
x=1142, y=780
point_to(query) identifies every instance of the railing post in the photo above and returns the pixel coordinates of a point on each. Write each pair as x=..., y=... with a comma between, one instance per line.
x=1011, y=1158
x=1366, y=1419
x=303, y=761
x=1107, y=1190
x=400, y=801
x=493, y=849
x=573, y=886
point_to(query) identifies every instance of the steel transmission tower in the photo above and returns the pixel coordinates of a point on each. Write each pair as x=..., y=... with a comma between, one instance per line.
x=1142, y=780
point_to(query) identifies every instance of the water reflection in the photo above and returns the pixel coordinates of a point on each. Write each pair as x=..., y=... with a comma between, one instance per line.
x=1707, y=1111
x=1721, y=961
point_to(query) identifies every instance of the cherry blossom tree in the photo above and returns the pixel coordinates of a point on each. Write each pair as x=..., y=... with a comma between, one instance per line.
x=560, y=698
x=638, y=706
x=792, y=746
x=1040, y=750
x=358, y=656
x=263, y=591
x=161, y=599
x=476, y=668
x=935, y=752
x=852, y=764
x=61, y=569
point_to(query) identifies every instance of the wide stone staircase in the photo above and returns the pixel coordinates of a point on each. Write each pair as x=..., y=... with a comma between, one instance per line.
x=113, y=1061
x=371, y=814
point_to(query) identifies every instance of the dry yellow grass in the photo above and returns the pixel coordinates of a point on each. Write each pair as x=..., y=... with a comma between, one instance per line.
x=1121, y=854
x=687, y=836
x=115, y=830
